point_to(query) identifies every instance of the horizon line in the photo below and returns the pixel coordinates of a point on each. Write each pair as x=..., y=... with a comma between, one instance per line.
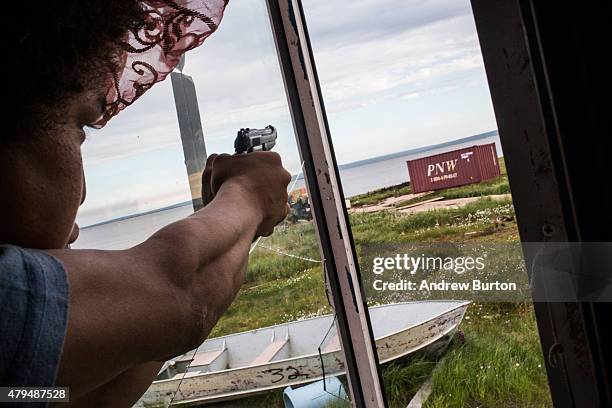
x=340, y=167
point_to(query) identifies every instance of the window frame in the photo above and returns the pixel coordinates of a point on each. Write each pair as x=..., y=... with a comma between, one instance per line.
x=327, y=202
x=531, y=57
x=540, y=178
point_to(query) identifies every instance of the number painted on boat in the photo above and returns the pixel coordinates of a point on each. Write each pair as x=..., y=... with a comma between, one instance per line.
x=290, y=373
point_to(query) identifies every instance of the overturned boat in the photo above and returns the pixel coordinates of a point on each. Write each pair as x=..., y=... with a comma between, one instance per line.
x=256, y=361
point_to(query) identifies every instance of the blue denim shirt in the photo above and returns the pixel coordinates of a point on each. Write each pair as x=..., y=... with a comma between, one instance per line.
x=33, y=316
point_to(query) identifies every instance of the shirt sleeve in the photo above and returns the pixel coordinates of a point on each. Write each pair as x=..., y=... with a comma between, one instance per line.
x=34, y=298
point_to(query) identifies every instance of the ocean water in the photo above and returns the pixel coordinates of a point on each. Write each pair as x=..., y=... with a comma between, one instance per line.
x=390, y=170
x=356, y=178
x=127, y=232
x=370, y=176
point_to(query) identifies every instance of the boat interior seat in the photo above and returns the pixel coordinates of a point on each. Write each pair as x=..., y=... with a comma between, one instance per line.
x=207, y=361
x=332, y=345
x=276, y=350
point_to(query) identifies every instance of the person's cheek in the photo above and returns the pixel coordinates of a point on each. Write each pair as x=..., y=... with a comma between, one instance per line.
x=49, y=192
x=70, y=185
x=75, y=228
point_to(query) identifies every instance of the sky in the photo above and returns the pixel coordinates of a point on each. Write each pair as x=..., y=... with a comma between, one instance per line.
x=395, y=75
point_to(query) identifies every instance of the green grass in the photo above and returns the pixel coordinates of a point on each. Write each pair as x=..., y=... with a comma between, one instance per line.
x=274, y=302
x=497, y=185
x=496, y=362
x=375, y=196
x=414, y=200
x=298, y=239
x=403, y=378
x=500, y=364
x=428, y=226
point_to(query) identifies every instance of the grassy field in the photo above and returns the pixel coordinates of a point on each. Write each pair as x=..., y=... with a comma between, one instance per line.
x=495, y=186
x=495, y=362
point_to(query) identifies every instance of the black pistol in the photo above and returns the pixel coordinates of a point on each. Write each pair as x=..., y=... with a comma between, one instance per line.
x=251, y=140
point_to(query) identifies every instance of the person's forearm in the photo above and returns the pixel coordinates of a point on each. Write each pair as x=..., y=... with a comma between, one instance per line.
x=218, y=258
x=196, y=242
x=157, y=299
x=122, y=391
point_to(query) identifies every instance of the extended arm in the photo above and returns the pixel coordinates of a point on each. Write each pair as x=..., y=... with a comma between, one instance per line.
x=122, y=391
x=158, y=299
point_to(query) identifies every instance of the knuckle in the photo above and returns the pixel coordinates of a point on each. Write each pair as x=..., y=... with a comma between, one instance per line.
x=274, y=157
x=209, y=162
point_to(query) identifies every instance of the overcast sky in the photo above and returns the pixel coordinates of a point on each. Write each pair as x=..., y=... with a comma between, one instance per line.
x=395, y=75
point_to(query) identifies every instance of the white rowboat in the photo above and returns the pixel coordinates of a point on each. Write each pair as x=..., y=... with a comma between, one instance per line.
x=256, y=361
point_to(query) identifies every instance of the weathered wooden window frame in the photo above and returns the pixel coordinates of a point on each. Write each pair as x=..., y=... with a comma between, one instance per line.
x=539, y=150
x=324, y=188
x=508, y=35
x=510, y=40
x=327, y=202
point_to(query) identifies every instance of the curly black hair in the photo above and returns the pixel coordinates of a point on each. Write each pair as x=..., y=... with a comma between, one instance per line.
x=59, y=49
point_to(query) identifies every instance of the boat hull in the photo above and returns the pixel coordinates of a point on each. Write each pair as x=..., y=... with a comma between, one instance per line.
x=245, y=381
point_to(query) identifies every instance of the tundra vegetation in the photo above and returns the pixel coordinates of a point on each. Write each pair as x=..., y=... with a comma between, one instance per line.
x=494, y=361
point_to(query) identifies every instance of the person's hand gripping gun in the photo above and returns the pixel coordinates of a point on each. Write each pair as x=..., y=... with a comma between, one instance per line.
x=259, y=176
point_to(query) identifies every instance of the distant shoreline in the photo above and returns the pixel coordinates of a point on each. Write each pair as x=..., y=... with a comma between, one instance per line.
x=417, y=150
x=125, y=217
x=414, y=151
x=344, y=166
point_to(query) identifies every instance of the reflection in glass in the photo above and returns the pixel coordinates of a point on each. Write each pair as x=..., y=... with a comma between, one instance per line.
x=135, y=173
x=280, y=330
x=404, y=80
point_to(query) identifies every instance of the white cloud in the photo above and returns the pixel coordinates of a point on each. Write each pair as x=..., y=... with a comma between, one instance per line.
x=370, y=55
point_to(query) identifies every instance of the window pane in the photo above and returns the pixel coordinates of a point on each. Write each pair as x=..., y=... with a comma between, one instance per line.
x=404, y=80
x=138, y=182
x=239, y=85
x=134, y=167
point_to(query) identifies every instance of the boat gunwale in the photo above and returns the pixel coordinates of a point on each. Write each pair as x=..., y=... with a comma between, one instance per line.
x=307, y=356
x=229, y=396
x=331, y=315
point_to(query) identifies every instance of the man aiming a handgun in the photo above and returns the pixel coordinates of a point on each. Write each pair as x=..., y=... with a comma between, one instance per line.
x=102, y=322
